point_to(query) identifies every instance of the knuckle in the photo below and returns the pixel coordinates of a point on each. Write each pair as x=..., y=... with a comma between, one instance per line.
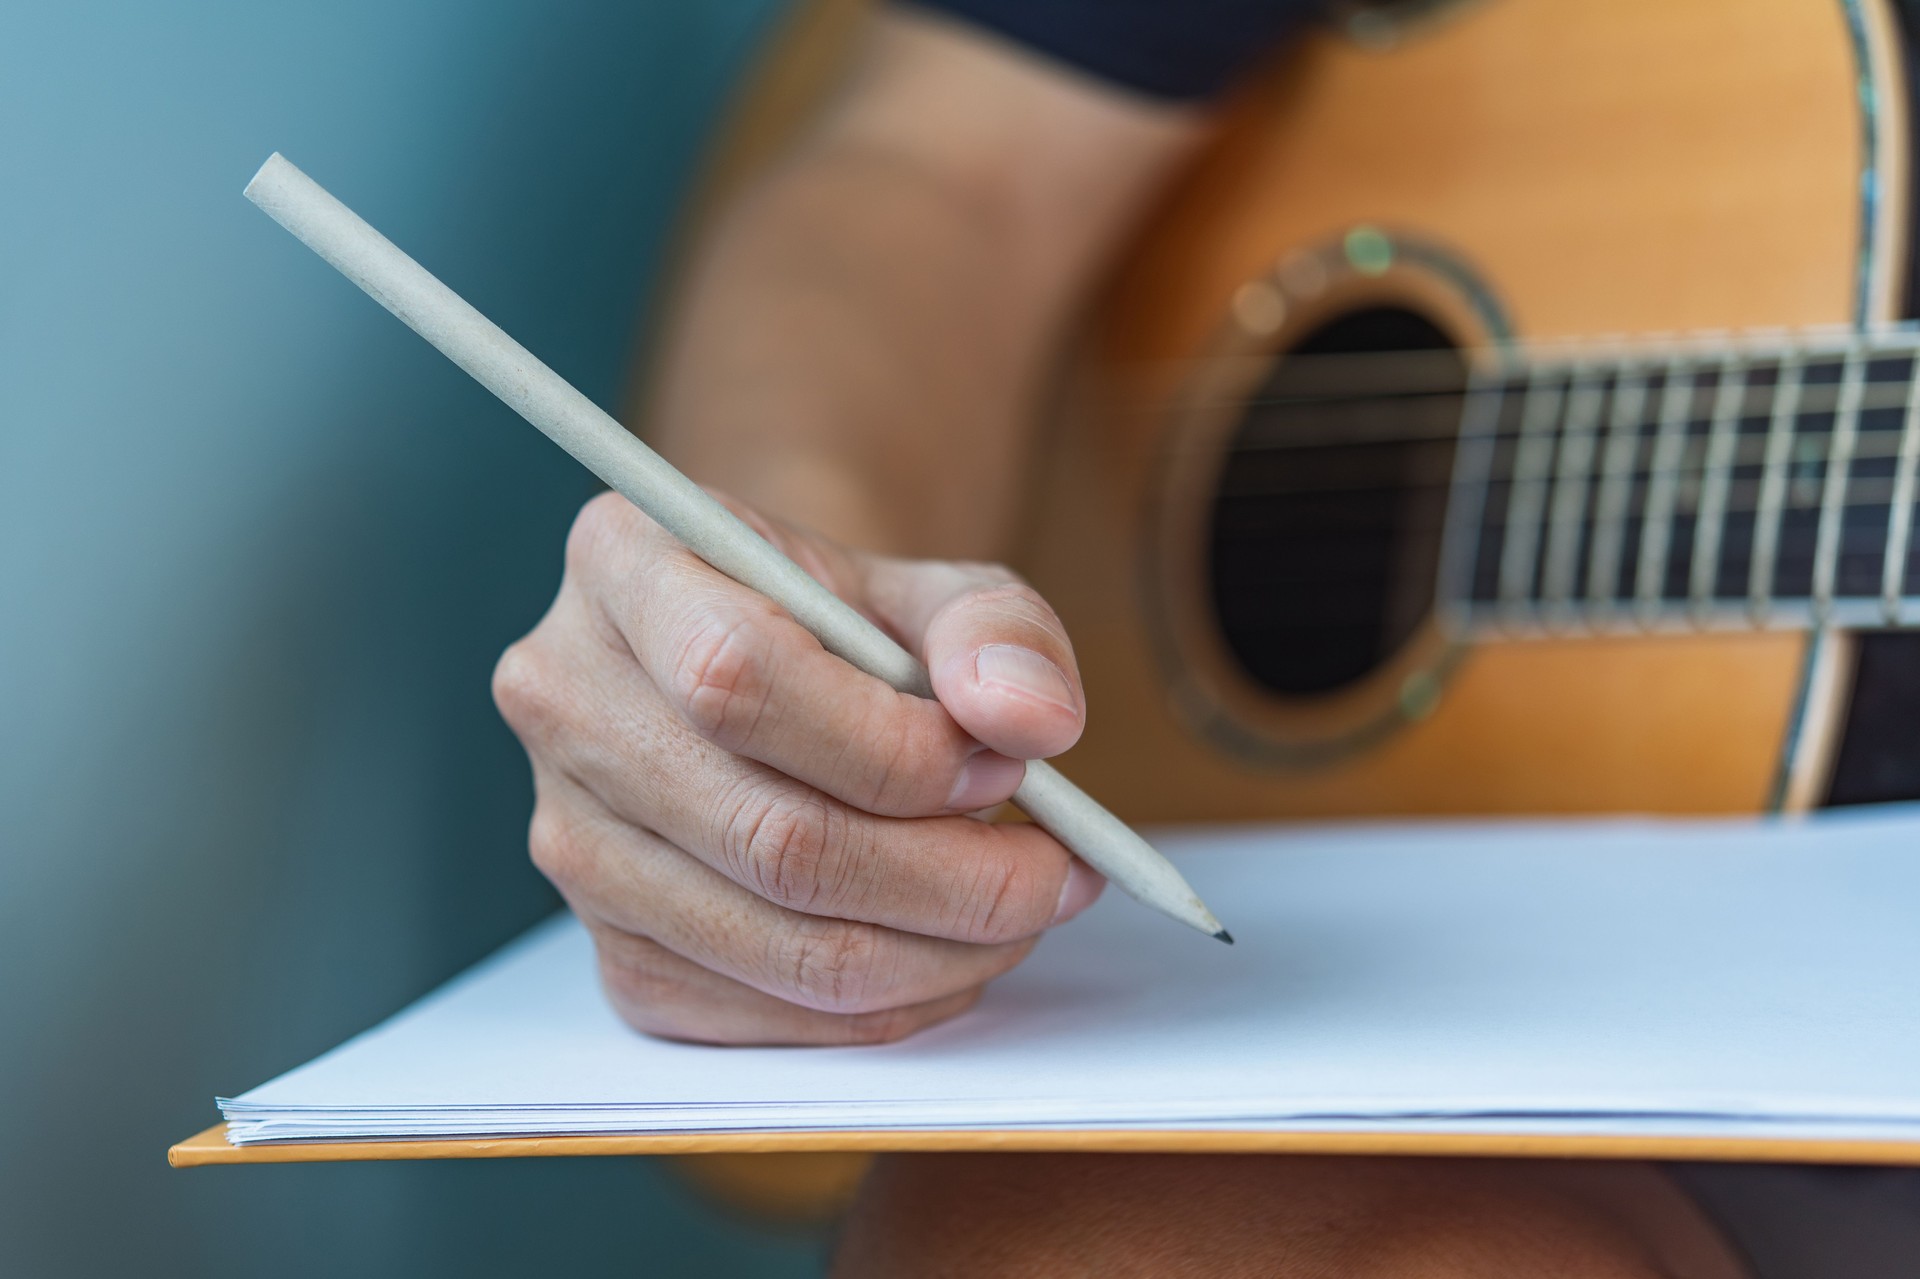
x=787, y=850
x=523, y=690
x=719, y=680
x=558, y=849
x=838, y=967
x=598, y=525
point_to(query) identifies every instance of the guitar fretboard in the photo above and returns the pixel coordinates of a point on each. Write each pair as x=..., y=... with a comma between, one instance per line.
x=1763, y=484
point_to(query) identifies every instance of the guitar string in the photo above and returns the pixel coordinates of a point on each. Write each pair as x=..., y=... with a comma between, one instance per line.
x=1441, y=374
x=1862, y=490
x=1860, y=571
x=1446, y=388
x=1882, y=396
x=1438, y=369
x=1876, y=442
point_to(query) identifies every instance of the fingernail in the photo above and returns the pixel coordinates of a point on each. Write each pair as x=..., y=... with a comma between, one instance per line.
x=1023, y=671
x=988, y=778
x=1082, y=887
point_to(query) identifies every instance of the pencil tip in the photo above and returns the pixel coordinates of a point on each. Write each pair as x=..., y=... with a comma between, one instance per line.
x=1225, y=936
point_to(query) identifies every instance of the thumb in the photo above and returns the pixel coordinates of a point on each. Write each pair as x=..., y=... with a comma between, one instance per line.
x=999, y=657
x=997, y=653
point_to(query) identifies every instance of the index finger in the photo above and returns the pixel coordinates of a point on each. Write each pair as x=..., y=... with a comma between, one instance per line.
x=747, y=677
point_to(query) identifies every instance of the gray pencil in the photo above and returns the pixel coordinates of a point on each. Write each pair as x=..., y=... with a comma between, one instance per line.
x=705, y=527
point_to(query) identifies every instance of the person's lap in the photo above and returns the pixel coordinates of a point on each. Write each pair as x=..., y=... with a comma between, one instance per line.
x=1013, y=1215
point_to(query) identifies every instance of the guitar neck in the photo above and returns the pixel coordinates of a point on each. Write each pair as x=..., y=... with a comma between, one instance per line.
x=1764, y=483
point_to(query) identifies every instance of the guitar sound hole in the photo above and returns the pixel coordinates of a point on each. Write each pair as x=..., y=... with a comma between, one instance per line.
x=1324, y=532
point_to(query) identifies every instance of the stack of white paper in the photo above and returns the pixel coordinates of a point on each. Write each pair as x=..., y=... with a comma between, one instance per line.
x=1712, y=978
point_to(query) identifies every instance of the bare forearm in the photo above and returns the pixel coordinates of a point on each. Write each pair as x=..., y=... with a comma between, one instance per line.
x=853, y=358
x=867, y=328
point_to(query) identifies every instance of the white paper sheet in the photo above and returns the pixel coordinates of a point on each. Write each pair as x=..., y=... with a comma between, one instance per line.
x=1694, y=978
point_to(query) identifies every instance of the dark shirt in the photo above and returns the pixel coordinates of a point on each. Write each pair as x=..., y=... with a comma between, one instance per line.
x=1179, y=50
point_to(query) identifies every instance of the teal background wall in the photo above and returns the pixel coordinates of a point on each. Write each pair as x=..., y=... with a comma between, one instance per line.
x=253, y=795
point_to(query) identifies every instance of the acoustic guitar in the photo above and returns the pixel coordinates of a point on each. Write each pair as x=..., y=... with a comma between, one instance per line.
x=1509, y=413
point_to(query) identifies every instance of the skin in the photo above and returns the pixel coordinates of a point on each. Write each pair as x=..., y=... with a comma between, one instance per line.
x=770, y=847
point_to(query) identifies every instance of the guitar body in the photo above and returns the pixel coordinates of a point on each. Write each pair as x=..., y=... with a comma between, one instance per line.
x=1504, y=170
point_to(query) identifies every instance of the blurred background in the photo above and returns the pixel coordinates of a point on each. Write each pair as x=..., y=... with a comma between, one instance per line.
x=254, y=793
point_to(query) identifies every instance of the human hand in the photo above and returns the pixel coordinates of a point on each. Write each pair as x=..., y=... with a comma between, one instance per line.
x=768, y=845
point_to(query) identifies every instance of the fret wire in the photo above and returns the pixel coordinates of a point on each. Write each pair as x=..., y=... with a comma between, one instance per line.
x=1773, y=487
x=1527, y=491
x=1846, y=419
x=1616, y=488
x=1465, y=526
x=1676, y=404
x=1893, y=570
x=1571, y=481
x=1719, y=473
